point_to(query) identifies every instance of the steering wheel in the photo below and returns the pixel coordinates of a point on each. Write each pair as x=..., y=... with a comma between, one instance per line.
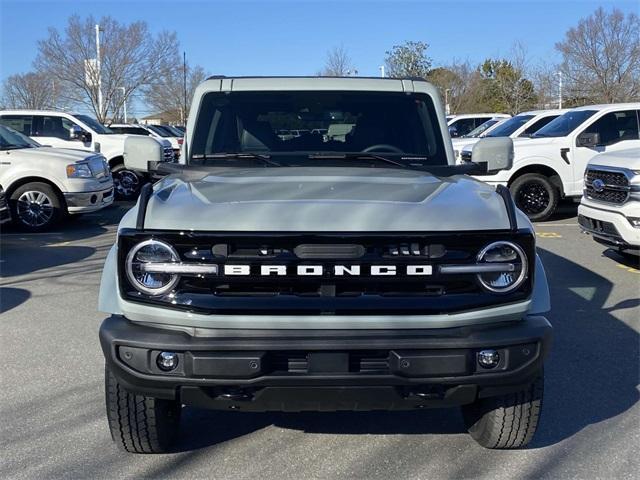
x=385, y=147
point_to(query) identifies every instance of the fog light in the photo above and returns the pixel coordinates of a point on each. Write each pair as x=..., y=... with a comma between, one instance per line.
x=488, y=358
x=634, y=221
x=167, y=361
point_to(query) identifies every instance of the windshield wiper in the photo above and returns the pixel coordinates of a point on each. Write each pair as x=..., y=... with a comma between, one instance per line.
x=356, y=156
x=263, y=157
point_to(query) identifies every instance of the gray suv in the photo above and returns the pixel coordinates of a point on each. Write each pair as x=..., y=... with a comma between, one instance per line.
x=359, y=271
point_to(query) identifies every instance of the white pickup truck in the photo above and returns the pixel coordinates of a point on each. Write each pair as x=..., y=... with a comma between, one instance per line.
x=464, y=123
x=79, y=132
x=610, y=207
x=551, y=164
x=44, y=184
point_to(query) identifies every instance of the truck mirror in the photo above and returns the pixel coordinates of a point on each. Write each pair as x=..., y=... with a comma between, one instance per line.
x=142, y=154
x=588, y=140
x=493, y=154
x=453, y=131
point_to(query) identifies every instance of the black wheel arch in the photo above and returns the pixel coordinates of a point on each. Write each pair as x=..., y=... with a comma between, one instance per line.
x=544, y=170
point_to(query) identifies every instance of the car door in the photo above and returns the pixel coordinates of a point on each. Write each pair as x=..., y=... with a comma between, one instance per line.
x=616, y=130
x=59, y=132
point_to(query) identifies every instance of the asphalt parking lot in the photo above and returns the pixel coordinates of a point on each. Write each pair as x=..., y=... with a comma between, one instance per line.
x=52, y=408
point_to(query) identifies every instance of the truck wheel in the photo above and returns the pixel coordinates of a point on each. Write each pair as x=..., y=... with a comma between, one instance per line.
x=535, y=195
x=507, y=421
x=140, y=424
x=36, y=206
x=126, y=183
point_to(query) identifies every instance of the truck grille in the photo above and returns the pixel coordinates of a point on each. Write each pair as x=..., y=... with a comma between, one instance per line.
x=328, y=293
x=606, y=186
x=465, y=156
x=168, y=154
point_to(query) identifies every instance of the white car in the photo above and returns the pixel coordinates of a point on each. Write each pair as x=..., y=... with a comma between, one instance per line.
x=462, y=124
x=551, y=164
x=610, y=206
x=43, y=184
x=160, y=132
x=524, y=124
x=79, y=132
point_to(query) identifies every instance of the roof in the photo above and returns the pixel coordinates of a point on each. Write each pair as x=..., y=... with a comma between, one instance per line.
x=605, y=106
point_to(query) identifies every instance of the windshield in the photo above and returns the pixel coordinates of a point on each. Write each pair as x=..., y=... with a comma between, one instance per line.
x=157, y=129
x=508, y=127
x=564, y=124
x=94, y=124
x=173, y=130
x=481, y=128
x=301, y=123
x=11, y=140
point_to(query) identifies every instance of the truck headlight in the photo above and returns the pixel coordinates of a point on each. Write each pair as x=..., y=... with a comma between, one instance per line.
x=79, y=170
x=513, y=258
x=151, y=251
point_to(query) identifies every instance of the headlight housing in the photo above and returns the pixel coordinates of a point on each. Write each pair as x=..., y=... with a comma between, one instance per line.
x=79, y=170
x=503, y=253
x=151, y=251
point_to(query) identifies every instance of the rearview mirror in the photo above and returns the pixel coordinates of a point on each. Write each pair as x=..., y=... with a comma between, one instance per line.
x=588, y=140
x=493, y=154
x=142, y=154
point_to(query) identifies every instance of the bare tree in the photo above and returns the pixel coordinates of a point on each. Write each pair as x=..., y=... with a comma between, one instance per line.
x=166, y=92
x=33, y=91
x=130, y=57
x=408, y=60
x=601, y=57
x=546, y=80
x=338, y=63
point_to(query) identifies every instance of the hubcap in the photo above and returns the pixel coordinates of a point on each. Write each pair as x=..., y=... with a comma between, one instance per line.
x=532, y=198
x=125, y=183
x=34, y=208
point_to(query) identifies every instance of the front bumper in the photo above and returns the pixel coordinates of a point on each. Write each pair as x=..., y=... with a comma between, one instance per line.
x=294, y=370
x=608, y=227
x=82, y=202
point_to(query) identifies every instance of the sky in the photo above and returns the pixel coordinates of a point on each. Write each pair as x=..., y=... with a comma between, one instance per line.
x=293, y=37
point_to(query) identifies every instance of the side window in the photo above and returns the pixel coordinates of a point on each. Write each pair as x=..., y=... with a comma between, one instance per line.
x=51, y=126
x=21, y=123
x=480, y=121
x=464, y=126
x=616, y=127
x=535, y=126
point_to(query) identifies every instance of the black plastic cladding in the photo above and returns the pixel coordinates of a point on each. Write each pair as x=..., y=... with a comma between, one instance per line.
x=462, y=248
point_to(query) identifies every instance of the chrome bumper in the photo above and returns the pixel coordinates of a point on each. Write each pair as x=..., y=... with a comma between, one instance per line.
x=79, y=202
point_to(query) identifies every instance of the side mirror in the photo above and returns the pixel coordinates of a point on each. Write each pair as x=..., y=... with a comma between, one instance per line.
x=493, y=154
x=142, y=154
x=588, y=140
x=77, y=133
x=453, y=131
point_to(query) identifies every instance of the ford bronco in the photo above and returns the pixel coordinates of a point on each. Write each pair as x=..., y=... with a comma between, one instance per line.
x=351, y=267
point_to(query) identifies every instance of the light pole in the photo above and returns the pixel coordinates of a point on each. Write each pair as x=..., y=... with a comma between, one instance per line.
x=446, y=101
x=99, y=73
x=560, y=90
x=124, y=102
x=381, y=67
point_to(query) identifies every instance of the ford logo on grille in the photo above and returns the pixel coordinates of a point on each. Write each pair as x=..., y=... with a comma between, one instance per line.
x=598, y=185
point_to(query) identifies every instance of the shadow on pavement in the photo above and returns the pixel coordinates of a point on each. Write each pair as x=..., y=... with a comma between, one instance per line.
x=12, y=297
x=593, y=371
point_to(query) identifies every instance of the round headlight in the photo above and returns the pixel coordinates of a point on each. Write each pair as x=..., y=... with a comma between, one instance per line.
x=509, y=254
x=151, y=251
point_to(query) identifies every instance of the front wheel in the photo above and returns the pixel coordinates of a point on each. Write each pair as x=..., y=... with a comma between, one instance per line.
x=126, y=183
x=140, y=424
x=36, y=206
x=535, y=195
x=507, y=421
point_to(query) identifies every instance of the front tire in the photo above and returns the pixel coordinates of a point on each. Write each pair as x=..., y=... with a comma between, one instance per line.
x=126, y=183
x=507, y=421
x=535, y=195
x=36, y=206
x=140, y=424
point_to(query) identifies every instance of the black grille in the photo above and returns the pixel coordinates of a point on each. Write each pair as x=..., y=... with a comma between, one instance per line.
x=328, y=293
x=598, y=226
x=168, y=154
x=615, y=187
x=465, y=155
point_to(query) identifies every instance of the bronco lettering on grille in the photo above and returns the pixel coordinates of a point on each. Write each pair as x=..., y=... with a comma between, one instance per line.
x=320, y=270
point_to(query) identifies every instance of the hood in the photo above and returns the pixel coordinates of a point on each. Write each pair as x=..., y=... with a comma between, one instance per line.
x=67, y=155
x=629, y=159
x=315, y=199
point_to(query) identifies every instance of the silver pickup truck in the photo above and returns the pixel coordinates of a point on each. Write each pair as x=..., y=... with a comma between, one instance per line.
x=317, y=271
